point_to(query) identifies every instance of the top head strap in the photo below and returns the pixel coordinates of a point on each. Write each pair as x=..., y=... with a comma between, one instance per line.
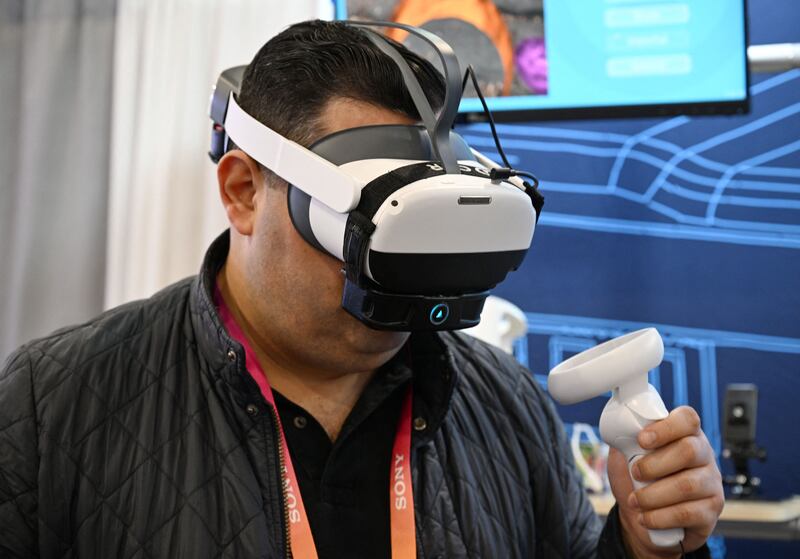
x=440, y=134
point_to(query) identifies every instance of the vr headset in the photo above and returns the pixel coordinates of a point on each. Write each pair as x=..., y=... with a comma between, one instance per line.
x=424, y=225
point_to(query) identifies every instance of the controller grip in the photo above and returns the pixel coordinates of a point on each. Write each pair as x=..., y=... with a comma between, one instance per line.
x=670, y=537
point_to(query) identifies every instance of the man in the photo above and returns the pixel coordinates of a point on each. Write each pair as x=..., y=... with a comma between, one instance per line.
x=150, y=431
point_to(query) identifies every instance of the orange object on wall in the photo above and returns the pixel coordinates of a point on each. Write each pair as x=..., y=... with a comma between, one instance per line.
x=483, y=14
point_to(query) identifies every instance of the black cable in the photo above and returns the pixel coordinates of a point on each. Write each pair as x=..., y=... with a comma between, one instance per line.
x=530, y=176
x=495, y=173
x=471, y=73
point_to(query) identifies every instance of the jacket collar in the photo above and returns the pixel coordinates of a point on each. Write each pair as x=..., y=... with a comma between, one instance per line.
x=432, y=361
x=224, y=355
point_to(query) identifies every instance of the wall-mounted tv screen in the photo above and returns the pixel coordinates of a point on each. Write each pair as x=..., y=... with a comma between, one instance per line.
x=584, y=58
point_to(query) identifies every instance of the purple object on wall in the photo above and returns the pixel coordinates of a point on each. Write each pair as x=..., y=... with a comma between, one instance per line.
x=531, y=61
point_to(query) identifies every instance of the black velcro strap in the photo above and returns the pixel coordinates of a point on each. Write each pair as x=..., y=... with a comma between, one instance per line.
x=356, y=238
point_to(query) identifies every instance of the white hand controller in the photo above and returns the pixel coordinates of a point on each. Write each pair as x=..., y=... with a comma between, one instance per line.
x=620, y=365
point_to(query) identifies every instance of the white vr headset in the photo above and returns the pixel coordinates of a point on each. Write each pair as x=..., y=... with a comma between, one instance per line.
x=424, y=224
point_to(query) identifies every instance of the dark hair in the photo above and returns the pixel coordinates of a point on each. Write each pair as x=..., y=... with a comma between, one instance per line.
x=293, y=76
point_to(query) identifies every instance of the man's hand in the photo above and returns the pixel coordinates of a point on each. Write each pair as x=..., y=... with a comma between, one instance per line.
x=686, y=489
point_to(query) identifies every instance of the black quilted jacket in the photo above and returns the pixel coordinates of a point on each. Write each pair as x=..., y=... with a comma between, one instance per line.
x=140, y=434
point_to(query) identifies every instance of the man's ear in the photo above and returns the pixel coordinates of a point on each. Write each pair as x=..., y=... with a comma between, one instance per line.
x=239, y=178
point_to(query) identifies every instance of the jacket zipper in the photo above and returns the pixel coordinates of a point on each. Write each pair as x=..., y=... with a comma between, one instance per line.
x=282, y=475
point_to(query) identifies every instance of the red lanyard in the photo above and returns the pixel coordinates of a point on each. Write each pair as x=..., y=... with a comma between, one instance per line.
x=401, y=496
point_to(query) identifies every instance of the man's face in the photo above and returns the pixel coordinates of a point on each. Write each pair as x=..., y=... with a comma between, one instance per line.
x=299, y=287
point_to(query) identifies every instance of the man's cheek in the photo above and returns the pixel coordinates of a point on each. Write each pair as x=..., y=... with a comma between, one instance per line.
x=325, y=287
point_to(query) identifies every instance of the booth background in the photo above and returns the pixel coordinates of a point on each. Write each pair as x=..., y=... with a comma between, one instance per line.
x=106, y=191
x=690, y=224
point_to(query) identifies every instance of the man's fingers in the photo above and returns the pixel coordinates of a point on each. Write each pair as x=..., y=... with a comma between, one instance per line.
x=688, y=452
x=682, y=422
x=688, y=485
x=700, y=514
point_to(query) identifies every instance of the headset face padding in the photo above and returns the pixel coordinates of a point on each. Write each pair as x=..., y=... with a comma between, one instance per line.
x=384, y=141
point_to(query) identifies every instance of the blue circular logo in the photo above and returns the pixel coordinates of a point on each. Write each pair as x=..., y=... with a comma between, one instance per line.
x=439, y=314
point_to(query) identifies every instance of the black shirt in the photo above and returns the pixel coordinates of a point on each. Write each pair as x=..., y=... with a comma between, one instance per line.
x=345, y=484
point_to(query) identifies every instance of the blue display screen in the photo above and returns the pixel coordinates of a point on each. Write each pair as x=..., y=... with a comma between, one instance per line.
x=579, y=54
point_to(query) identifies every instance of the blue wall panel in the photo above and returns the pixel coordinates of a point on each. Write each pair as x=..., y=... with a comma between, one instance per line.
x=690, y=224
